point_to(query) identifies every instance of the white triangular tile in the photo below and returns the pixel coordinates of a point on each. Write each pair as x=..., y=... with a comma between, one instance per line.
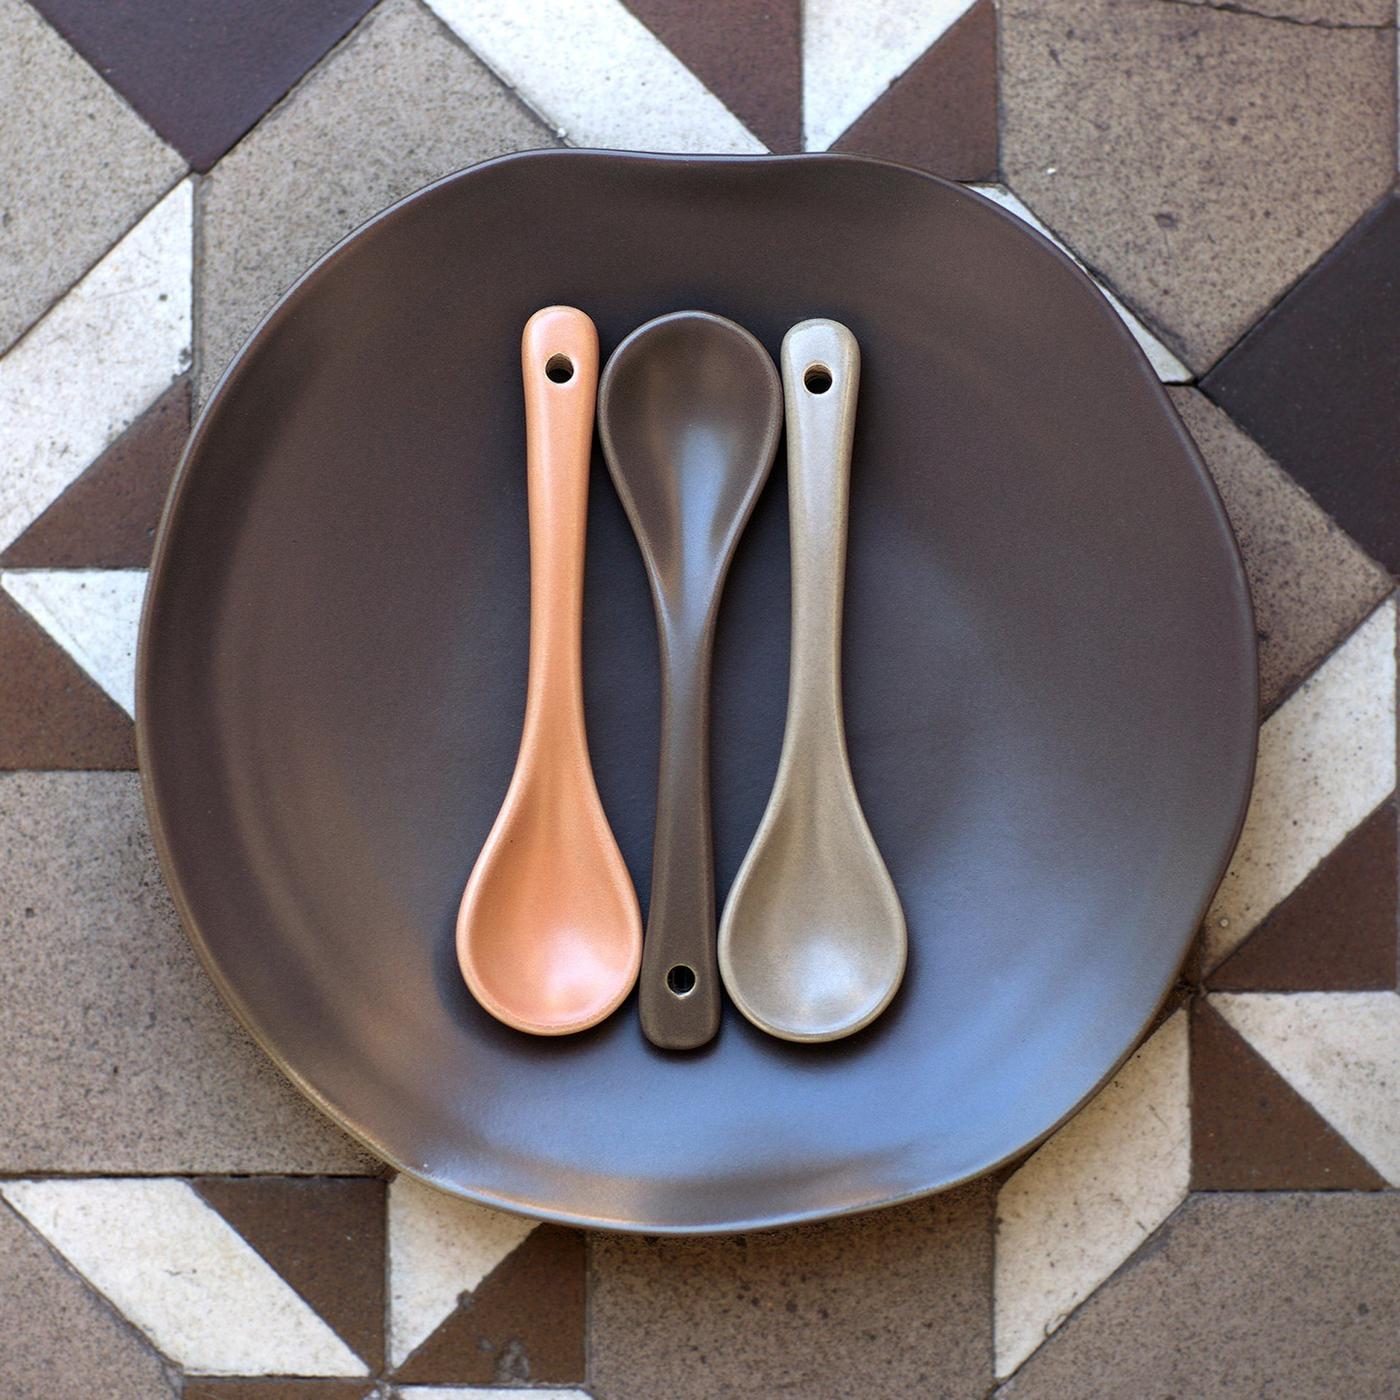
x=597, y=74
x=1090, y=1196
x=178, y=1271
x=1170, y=370
x=93, y=614
x=852, y=53
x=1340, y=1051
x=1326, y=761
x=95, y=362
x=439, y=1248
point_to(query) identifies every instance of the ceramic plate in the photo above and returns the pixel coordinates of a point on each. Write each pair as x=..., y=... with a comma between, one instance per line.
x=1050, y=683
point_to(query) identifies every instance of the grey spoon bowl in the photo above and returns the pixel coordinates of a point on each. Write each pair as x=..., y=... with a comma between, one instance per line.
x=812, y=945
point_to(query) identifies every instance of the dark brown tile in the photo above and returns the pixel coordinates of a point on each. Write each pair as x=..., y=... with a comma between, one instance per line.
x=1317, y=383
x=524, y=1323
x=1336, y=932
x=1259, y=1294
x=1310, y=582
x=941, y=115
x=892, y=1304
x=51, y=714
x=107, y=518
x=201, y=75
x=749, y=54
x=325, y=1236
x=274, y=1388
x=1250, y=1131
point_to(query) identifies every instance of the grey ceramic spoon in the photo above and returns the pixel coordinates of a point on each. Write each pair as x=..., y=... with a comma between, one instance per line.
x=812, y=943
x=689, y=411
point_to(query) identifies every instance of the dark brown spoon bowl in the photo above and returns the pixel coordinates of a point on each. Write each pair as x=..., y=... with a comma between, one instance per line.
x=689, y=411
x=1048, y=665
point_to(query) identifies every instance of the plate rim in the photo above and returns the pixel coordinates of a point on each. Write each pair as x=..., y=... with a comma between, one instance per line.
x=145, y=743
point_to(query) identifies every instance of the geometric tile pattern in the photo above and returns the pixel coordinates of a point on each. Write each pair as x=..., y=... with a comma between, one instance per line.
x=1092, y=1194
x=201, y=75
x=1317, y=382
x=175, y=1220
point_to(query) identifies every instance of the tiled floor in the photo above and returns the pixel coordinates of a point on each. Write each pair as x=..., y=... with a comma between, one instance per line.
x=1222, y=1221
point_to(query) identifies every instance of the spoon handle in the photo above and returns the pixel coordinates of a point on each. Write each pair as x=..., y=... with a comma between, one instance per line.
x=821, y=378
x=559, y=366
x=679, y=993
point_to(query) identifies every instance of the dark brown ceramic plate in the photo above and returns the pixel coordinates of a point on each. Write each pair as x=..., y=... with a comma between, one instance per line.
x=1049, y=672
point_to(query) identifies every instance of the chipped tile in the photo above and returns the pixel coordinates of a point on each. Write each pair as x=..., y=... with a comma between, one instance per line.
x=1317, y=383
x=849, y=61
x=52, y=715
x=324, y=1236
x=883, y=1306
x=598, y=75
x=1326, y=761
x=941, y=114
x=1310, y=582
x=1340, y=1051
x=95, y=362
x=182, y=1275
x=439, y=1248
x=1285, y=1294
x=522, y=1324
x=203, y=74
x=1168, y=368
x=118, y=1054
x=1200, y=157
x=93, y=614
x=411, y=105
x=1092, y=1194
x=1336, y=932
x=1250, y=1131
x=107, y=518
x=752, y=61
x=77, y=168
x=57, y=1338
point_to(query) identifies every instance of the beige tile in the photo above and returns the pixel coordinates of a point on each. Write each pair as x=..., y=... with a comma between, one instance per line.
x=401, y=104
x=1326, y=761
x=1199, y=157
x=1341, y=1052
x=1249, y=1295
x=119, y=1055
x=180, y=1273
x=885, y=1306
x=77, y=167
x=1311, y=583
x=58, y=1340
x=1092, y=1194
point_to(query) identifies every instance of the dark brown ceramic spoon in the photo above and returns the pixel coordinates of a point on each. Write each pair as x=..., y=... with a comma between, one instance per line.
x=689, y=409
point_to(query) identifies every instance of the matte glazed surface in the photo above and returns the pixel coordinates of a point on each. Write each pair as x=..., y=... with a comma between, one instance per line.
x=549, y=935
x=689, y=414
x=812, y=944
x=1049, y=675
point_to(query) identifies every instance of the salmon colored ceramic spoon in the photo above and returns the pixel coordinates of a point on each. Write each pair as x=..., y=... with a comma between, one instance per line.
x=549, y=935
x=689, y=411
x=812, y=943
